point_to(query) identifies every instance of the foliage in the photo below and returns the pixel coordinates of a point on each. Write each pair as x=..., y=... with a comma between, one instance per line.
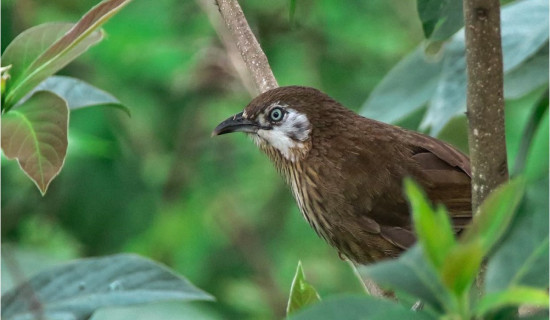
x=216, y=211
x=302, y=293
x=77, y=289
x=440, y=80
x=36, y=132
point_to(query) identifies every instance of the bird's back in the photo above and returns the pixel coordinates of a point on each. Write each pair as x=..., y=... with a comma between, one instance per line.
x=359, y=179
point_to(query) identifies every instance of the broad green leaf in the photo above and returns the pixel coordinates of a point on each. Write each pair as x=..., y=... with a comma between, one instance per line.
x=433, y=228
x=514, y=296
x=461, y=266
x=524, y=31
x=410, y=273
x=528, y=76
x=405, y=89
x=35, y=134
x=494, y=215
x=28, y=46
x=522, y=257
x=78, y=93
x=76, y=41
x=358, y=308
x=302, y=293
x=75, y=290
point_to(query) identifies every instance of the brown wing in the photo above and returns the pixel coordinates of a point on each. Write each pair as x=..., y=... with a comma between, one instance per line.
x=445, y=175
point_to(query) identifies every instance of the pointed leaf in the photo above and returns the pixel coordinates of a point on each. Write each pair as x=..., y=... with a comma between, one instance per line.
x=301, y=292
x=29, y=45
x=75, y=290
x=36, y=135
x=76, y=41
x=495, y=214
x=78, y=93
x=433, y=228
x=514, y=296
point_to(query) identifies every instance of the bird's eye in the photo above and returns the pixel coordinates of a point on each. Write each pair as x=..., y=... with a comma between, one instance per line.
x=276, y=114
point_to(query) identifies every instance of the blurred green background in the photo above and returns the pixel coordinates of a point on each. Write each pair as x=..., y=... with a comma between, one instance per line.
x=156, y=184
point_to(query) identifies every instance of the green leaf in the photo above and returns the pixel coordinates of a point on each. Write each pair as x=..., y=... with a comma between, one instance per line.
x=514, y=296
x=301, y=292
x=433, y=228
x=522, y=257
x=78, y=93
x=76, y=41
x=75, y=290
x=440, y=18
x=495, y=215
x=528, y=76
x=461, y=266
x=410, y=273
x=358, y=308
x=292, y=11
x=524, y=31
x=35, y=134
x=28, y=46
x=405, y=89
x=529, y=132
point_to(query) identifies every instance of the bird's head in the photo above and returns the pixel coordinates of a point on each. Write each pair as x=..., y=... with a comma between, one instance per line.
x=280, y=120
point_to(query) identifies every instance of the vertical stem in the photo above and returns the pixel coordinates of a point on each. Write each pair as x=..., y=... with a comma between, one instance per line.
x=485, y=101
x=250, y=49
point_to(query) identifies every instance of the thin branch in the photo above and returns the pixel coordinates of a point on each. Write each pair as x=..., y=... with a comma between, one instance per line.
x=485, y=101
x=248, y=46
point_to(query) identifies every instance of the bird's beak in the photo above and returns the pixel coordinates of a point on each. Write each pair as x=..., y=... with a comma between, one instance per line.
x=236, y=123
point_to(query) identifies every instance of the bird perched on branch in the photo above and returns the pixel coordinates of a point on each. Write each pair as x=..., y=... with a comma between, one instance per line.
x=346, y=171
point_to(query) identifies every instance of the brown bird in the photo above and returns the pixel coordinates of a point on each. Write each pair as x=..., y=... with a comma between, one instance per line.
x=346, y=171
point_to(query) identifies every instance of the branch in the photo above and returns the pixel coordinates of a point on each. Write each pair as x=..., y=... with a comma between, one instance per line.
x=485, y=101
x=250, y=49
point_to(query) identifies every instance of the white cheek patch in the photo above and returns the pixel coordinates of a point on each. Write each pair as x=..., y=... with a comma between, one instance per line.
x=289, y=136
x=295, y=125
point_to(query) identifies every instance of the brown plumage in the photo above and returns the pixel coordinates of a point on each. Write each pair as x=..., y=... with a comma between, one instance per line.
x=346, y=171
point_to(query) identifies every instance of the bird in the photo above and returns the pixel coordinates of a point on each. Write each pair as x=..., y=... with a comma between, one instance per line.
x=346, y=171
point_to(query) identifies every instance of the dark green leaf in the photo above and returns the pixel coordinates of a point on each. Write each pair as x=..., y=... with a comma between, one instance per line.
x=433, y=228
x=513, y=296
x=495, y=215
x=302, y=293
x=522, y=258
x=76, y=41
x=412, y=274
x=529, y=132
x=35, y=134
x=78, y=93
x=77, y=289
x=357, y=308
